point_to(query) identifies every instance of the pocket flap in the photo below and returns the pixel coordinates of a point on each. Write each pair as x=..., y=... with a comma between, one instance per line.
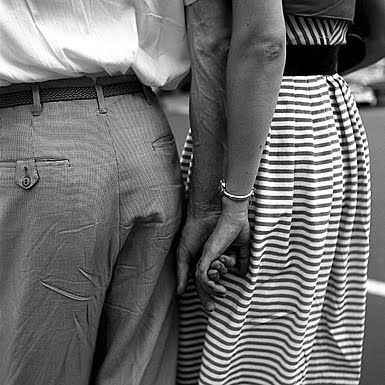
x=26, y=174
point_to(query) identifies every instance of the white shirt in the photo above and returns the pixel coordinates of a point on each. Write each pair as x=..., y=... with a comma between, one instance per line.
x=50, y=39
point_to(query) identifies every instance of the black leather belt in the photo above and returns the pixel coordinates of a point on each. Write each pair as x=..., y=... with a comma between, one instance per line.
x=69, y=89
x=306, y=60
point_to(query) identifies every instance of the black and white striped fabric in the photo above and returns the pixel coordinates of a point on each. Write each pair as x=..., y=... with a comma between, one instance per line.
x=298, y=316
x=312, y=31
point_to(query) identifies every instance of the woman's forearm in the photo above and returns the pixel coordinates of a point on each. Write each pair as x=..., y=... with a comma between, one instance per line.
x=254, y=73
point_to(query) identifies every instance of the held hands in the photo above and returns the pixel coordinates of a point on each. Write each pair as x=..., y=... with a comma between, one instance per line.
x=226, y=240
x=195, y=232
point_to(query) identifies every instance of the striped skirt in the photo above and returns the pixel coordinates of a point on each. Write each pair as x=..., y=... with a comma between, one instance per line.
x=297, y=318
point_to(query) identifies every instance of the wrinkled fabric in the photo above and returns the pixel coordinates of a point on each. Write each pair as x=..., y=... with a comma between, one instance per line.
x=87, y=271
x=43, y=40
x=297, y=317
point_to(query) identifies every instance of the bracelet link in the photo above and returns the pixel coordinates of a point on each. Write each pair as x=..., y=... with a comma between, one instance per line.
x=237, y=198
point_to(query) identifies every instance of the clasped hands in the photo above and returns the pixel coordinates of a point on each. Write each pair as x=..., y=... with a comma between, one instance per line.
x=221, y=241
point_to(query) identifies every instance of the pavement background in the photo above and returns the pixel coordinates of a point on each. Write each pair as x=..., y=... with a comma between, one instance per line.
x=373, y=369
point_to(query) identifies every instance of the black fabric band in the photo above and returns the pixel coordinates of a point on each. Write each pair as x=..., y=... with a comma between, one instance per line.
x=306, y=60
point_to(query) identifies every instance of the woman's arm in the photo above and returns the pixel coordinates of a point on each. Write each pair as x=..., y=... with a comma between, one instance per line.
x=254, y=73
x=372, y=16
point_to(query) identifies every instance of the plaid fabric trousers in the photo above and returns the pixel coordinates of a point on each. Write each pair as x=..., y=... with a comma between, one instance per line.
x=90, y=203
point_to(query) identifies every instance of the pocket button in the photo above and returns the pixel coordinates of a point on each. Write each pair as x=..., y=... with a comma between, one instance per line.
x=26, y=181
x=26, y=174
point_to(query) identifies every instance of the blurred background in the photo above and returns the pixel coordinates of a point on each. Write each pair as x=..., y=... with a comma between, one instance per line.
x=368, y=87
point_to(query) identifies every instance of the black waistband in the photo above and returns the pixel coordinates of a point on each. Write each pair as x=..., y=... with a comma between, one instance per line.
x=306, y=60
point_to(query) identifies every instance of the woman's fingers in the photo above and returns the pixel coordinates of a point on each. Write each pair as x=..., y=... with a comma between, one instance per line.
x=229, y=230
x=210, y=285
x=213, y=274
x=229, y=259
x=219, y=266
x=222, y=237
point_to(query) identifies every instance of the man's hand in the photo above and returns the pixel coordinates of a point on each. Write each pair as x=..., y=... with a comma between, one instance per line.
x=195, y=232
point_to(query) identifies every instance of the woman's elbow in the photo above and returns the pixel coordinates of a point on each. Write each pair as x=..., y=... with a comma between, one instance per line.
x=266, y=48
x=273, y=49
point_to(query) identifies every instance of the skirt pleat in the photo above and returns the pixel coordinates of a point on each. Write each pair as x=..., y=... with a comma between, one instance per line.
x=298, y=316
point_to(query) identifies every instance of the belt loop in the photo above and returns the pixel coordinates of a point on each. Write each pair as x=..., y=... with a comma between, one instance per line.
x=101, y=101
x=147, y=94
x=37, y=107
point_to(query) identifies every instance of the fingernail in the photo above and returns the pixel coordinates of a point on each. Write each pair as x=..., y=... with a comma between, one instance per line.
x=178, y=290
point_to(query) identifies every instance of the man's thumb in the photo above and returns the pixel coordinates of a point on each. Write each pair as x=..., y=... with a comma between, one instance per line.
x=183, y=258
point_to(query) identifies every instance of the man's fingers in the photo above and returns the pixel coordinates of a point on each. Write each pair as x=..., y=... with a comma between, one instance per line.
x=191, y=242
x=205, y=297
x=183, y=266
x=214, y=288
x=208, y=284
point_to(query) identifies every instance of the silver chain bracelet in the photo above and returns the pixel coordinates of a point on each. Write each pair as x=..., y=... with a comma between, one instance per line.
x=237, y=198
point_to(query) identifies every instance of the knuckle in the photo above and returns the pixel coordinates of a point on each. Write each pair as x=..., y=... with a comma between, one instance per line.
x=200, y=267
x=198, y=276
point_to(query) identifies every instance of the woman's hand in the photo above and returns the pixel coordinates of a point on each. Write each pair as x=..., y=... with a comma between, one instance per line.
x=231, y=231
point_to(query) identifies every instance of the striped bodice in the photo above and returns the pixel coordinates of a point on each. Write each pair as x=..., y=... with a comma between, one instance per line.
x=314, y=31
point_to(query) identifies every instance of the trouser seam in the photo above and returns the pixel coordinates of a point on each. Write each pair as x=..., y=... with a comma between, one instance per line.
x=118, y=175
